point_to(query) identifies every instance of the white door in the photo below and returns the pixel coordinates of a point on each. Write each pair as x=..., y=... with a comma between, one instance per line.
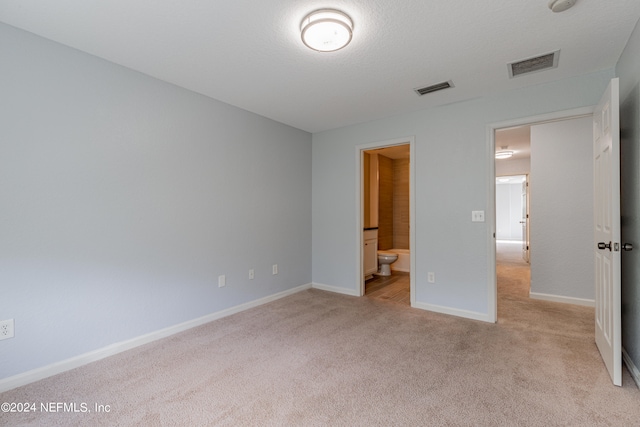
x=606, y=136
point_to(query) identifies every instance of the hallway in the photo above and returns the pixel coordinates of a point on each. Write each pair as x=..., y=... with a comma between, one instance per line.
x=513, y=273
x=516, y=308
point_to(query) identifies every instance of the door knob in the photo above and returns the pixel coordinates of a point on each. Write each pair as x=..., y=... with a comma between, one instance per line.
x=603, y=245
x=627, y=247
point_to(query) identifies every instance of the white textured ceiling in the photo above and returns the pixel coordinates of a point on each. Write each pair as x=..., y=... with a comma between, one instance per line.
x=248, y=53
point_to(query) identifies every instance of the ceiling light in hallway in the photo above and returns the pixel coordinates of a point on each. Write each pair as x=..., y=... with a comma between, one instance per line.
x=504, y=153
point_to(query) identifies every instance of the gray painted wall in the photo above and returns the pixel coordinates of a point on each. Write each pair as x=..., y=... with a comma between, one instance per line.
x=628, y=70
x=561, y=209
x=123, y=199
x=452, y=162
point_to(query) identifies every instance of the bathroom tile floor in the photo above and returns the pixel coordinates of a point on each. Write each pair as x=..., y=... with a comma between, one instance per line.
x=390, y=288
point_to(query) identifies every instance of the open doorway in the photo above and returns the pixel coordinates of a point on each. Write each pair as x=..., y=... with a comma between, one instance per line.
x=386, y=221
x=557, y=222
x=582, y=221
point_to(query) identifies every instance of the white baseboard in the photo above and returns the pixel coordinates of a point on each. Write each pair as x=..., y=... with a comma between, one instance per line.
x=336, y=289
x=93, y=356
x=563, y=299
x=453, y=311
x=633, y=369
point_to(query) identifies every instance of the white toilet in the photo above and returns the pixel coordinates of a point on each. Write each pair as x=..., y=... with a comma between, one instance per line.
x=385, y=259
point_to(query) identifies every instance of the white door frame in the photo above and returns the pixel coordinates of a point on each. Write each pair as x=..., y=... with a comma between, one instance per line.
x=492, y=290
x=410, y=140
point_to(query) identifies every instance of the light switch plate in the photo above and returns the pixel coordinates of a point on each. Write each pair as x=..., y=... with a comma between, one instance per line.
x=477, y=216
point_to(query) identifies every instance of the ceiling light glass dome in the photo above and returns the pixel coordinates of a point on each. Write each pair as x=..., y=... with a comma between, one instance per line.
x=326, y=30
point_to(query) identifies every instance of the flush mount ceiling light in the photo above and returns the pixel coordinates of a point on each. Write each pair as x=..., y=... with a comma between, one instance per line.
x=326, y=30
x=503, y=153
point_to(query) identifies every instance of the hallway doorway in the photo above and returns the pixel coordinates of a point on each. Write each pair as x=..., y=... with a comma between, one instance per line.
x=560, y=213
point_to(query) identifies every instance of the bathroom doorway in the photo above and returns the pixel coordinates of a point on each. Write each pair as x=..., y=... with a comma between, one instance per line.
x=386, y=221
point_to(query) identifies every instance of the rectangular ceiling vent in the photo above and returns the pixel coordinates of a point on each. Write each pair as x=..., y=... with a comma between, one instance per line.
x=434, y=88
x=535, y=64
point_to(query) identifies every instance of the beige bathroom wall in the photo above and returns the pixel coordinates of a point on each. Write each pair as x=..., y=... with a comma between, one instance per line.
x=401, y=218
x=385, y=206
x=366, y=189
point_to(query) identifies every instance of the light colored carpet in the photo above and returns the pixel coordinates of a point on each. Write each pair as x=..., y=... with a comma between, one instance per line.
x=317, y=358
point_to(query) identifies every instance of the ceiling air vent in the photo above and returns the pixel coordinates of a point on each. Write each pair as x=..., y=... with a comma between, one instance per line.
x=434, y=88
x=531, y=65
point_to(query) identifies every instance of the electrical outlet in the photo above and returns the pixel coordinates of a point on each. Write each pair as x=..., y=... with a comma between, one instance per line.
x=6, y=329
x=431, y=277
x=252, y=274
x=274, y=269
